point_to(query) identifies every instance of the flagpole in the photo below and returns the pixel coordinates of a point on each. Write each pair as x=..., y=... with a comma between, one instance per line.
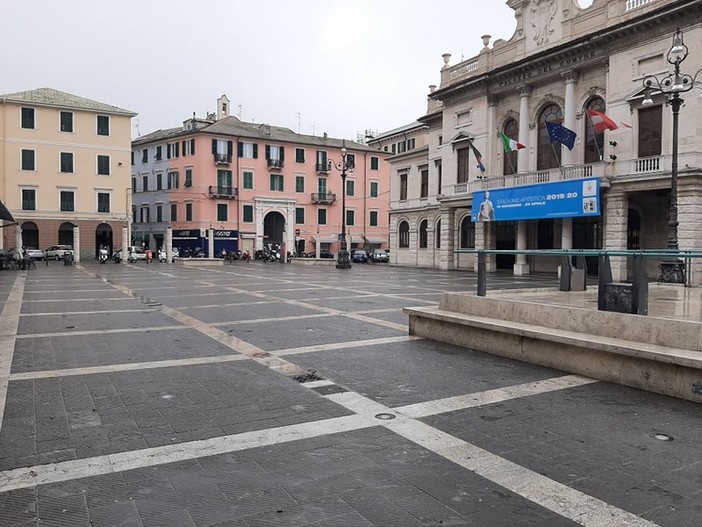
x=556, y=153
x=599, y=152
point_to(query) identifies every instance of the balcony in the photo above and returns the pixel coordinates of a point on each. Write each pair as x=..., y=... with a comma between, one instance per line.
x=222, y=159
x=322, y=168
x=275, y=163
x=224, y=192
x=324, y=198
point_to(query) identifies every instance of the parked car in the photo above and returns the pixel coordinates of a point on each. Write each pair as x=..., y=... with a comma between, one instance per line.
x=134, y=254
x=359, y=256
x=35, y=254
x=379, y=256
x=57, y=252
x=322, y=254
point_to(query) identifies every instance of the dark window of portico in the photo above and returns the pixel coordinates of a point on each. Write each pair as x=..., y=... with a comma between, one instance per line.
x=548, y=154
x=424, y=188
x=423, y=234
x=403, y=234
x=544, y=234
x=594, y=142
x=509, y=163
x=463, y=165
x=467, y=233
x=633, y=238
x=437, y=235
x=650, y=122
x=403, y=187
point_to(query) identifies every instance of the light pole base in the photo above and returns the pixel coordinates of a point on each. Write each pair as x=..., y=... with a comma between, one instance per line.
x=671, y=272
x=343, y=261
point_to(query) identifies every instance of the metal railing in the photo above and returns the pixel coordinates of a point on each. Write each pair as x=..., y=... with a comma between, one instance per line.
x=223, y=192
x=323, y=197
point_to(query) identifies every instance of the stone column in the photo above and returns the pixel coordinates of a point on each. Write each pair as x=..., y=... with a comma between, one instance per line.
x=493, y=103
x=523, y=154
x=615, y=230
x=210, y=243
x=567, y=233
x=689, y=232
x=521, y=267
x=125, y=243
x=446, y=256
x=571, y=79
x=485, y=239
x=168, y=244
x=76, y=243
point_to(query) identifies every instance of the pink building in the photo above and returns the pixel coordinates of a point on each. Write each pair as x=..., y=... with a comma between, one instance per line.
x=255, y=184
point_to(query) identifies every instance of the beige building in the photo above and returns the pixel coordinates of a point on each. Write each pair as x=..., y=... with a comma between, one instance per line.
x=64, y=170
x=562, y=63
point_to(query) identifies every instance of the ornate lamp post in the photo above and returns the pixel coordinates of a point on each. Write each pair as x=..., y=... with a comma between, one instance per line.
x=673, y=85
x=343, y=261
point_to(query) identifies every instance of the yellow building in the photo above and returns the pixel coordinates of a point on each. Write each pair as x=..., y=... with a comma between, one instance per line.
x=64, y=170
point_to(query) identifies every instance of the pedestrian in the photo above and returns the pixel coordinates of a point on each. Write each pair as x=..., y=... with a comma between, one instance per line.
x=149, y=256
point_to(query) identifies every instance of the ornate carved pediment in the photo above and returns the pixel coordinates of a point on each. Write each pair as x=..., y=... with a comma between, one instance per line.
x=541, y=16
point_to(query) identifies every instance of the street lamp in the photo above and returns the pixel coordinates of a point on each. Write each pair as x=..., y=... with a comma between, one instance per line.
x=673, y=85
x=343, y=261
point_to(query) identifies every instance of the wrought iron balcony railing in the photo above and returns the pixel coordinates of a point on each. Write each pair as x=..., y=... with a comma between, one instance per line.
x=323, y=197
x=223, y=192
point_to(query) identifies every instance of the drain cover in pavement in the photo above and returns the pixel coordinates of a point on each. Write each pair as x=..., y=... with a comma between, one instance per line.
x=307, y=377
x=385, y=417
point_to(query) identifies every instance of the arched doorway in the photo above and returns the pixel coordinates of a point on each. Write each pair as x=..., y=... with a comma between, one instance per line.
x=103, y=237
x=65, y=234
x=30, y=235
x=273, y=227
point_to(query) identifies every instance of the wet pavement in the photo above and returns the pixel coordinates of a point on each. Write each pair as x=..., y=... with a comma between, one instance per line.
x=284, y=395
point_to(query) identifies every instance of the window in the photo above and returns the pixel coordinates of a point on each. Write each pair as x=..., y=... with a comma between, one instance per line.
x=350, y=161
x=222, y=150
x=248, y=150
x=248, y=214
x=189, y=147
x=548, y=155
x=373, y=218
x=374, y=189
x=159, y=153
x=188, y=212
x=134, y=189
x=403, y=187
x=544, y=234
x=322, y=216
x=275, y=155
x=145, y=214
x=374, y=163
x=299, y=183
x=132, y=156
x=437, y=235
x=66, y=122
x=189, y=177
x=224, y=182
x=159, y=213
x=103, y=202
x=172, y=150
x=650, y=120
x=66, y=162
x=467, y=233
x=350, y=217
x=134, y=216
x=403, y=234
x=350, y=187
x=509, y=161
x=277, y=182
x=103, y=165
x=222, y=212
x=424, y=188
x=159, y=181
x=322, y=165
x=423, y=234
x=439, y=169
x=144, y=183
x=28, y=160
x=29, y=199
x=145, y=155
x=103, y=125
x=463, y=155
x=66, y=198
x=299, y=155
x=173, y=180
x=300, y=215
x=27, y=117
x=248, y=180
x=594, y=142
x=174, y=212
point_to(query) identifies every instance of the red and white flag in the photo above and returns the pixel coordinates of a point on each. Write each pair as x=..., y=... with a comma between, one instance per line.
x=601, y=122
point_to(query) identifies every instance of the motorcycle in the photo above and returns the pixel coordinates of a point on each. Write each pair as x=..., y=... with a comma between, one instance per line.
x=102, y=257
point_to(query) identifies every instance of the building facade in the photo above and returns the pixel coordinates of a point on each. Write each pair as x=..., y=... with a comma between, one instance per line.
x=566, y=66
x=249, y=184
x=64, y=170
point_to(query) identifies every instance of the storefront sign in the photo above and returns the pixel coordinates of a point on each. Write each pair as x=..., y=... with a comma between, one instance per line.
x=562, y=199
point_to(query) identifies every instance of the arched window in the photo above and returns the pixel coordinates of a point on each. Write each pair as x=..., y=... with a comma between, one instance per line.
x=65, y=234
x=594, y=142
x=30, y=235
x=467, y=233
x=509, y=163
x=548, y=154
x=437, y=235
x=403, y=234
x=423, y=234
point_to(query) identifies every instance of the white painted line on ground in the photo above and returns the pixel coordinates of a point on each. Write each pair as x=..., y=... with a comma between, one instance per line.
x=9, y=321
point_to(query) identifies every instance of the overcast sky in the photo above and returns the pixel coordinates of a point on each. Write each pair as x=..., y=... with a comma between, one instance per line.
x=313, y=66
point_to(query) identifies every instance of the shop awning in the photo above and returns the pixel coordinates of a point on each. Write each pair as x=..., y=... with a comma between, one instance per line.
x=325, y=238
x=375, y=240
x=5, y=215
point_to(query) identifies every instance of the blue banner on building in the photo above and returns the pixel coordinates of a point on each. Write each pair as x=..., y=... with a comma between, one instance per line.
x=561, y=199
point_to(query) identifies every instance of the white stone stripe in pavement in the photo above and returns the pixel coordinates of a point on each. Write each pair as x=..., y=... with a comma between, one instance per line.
x=561, y=499
x=63, y=313
x=470, y=400
x=98, y=332
x=9, y=321
x=25, y=477
x=344, y=345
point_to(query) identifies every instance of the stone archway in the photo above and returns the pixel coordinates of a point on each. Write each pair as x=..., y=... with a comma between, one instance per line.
x=103, y=237
x=30, y=235
x=65, y=234
x=273, y=228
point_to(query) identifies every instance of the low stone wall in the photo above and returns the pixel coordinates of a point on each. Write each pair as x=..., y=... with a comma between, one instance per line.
x=313, y=261
x=199, y=262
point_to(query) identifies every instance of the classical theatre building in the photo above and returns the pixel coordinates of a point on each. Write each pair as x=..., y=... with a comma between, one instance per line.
x=496, y=128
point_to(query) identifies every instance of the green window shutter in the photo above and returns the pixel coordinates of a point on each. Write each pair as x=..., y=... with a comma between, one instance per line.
x=222, y=212
x=230, y=149
x=255, y=149
x=282, y=154
x=192, y=146
x=374, y=189
x=299, y=184
x=374, y=218
x=268, y=151
x=177, y=152
x=184, y=149
x=240, y=149
x=374, y=163
x=322, y=216
x=299, y=215
x=248, y=213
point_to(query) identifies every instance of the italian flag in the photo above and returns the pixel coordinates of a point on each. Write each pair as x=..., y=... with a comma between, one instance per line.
x=510, y=144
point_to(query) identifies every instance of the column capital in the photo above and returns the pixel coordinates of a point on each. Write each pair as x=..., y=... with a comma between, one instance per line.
x=525, y=90
x=570, y=76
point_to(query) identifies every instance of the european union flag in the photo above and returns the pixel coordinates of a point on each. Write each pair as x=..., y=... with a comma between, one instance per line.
x=561, y=134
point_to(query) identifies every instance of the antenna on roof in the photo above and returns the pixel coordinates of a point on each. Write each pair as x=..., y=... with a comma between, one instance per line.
x=299, y=117
x=239, y=107
x=313, y=123
x=136, y=127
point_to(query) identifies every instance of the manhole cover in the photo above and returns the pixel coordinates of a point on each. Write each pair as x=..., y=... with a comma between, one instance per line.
x=663, y=437
x=385, y=417
x=307, y=377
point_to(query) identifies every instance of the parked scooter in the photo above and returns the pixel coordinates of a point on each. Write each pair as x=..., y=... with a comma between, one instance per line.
x=102, y=255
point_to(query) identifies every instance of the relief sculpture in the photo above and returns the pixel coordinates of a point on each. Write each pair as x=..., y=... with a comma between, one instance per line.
x=541, y=14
